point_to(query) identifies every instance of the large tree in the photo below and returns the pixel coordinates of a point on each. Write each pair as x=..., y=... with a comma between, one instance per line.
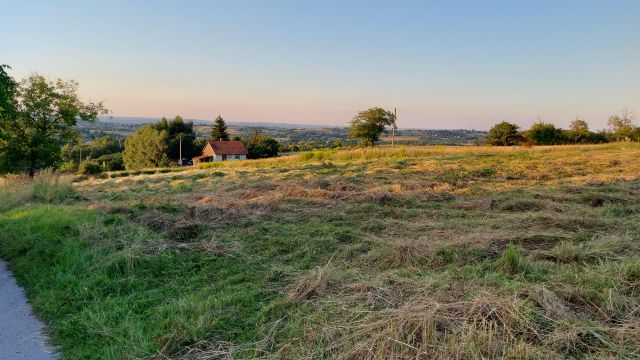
x=8, y=87
x=503, y=134
x=261, y=146
x=578, y=131
x=369, y=124
x=146, y=148
x=542, y=133
x=621, y=126
x=39, y=121
x=178, y=131
x=219, y=130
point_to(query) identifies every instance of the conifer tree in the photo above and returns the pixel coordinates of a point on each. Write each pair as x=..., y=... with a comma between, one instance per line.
x=219, y=130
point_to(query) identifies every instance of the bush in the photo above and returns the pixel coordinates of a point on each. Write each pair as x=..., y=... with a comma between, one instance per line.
x=89, y=167
x=111, y=162
x=69, y=167
x=261, y=146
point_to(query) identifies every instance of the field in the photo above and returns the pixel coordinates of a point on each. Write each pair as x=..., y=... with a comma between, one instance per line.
x=406, y=253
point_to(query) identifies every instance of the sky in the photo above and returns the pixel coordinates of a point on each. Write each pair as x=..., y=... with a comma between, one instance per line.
x=442, y=64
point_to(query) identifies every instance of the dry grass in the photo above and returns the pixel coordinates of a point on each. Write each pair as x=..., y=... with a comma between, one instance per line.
x=405, y=253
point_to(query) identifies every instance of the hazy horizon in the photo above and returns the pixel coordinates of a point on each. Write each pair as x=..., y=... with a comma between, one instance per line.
x=462, y=65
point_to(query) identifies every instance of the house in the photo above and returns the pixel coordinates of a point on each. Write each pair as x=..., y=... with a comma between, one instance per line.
x=221, y=151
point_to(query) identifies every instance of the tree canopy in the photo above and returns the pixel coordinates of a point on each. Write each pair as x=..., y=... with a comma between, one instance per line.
x=542, y=133
x=176, y=129
x=38, y=117
x=621, y=126
x=503, y=134
x=219, y=130
x=261, y=146
x=104, y=147
x=146, y=148
x=369, y=124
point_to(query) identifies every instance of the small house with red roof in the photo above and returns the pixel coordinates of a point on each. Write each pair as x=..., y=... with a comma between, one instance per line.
x=222, y=151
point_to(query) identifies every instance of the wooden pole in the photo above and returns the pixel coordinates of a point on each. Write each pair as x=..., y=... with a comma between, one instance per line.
x=180, y=161
x=393, y=128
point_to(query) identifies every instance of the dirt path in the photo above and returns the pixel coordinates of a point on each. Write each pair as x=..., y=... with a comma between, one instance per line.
x=21, y=334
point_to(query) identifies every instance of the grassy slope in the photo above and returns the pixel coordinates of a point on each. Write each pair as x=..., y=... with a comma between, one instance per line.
x=433, y=251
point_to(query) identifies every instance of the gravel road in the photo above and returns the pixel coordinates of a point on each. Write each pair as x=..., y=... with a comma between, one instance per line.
x=21, y=333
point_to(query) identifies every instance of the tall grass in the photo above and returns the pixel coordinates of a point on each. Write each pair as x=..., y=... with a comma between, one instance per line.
x=46, y=187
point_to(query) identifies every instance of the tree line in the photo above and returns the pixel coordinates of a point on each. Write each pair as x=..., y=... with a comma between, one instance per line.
x=38, y=119
x=620, y=128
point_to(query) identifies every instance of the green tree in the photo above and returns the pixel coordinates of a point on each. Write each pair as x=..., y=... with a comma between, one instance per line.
x=578, y=131
x=261, y=146
x=8, y=87
x=89, y=167
x=146, y=148
x=219, y=130
x=542, y=133
x=111, y=162
x=504, y=134
x=44, y=117
x=74, y=148
x=177, y=130
x=369, y=124
x=198, y=145
x=621, y=126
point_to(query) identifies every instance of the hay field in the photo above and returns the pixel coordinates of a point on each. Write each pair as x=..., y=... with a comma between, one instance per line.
x=405, y=253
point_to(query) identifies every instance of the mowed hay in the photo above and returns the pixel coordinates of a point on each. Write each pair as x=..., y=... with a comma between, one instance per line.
x=426, y=253
x=309, y=285
x=486, y=327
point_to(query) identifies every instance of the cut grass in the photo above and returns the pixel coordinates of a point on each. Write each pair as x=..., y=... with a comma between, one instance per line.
x=425, y=252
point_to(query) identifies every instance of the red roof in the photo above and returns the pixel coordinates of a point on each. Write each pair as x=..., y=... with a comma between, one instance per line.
x=228, y=147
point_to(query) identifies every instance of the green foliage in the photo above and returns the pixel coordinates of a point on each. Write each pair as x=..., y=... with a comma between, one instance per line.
x=621, y=126
x=542, y=133
x=178, y=129
x=45, y=115
x=369, y=124
x=504, y=134
x=146, y=148
x=106, y=151
x=111, y=162
x=261, y=146
x=578, y=131
x=89, y=167
x=219, y=130
x=199, y=144
x=8, y=88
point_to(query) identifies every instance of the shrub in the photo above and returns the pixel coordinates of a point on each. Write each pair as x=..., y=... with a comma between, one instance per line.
x=89, y=167
x=111, y=162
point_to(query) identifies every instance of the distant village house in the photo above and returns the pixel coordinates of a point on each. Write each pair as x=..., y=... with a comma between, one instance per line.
x=221, y=151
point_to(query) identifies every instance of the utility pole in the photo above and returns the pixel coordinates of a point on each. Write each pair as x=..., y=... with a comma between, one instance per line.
x=393, y=128
x=180, y=160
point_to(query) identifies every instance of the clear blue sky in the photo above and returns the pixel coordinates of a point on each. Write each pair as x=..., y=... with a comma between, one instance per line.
x=443, y=64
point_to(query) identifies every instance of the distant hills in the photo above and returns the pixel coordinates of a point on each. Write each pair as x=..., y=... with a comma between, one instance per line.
x=132, y=120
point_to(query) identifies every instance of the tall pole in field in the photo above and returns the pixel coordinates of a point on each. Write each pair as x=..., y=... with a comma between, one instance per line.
x=180, y=160
x=393, y=128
